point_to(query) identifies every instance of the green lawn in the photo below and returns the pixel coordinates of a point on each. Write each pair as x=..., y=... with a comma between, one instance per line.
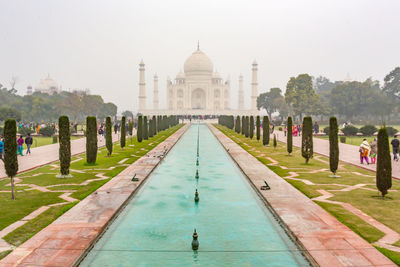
x=28, y=201
x=370, y=202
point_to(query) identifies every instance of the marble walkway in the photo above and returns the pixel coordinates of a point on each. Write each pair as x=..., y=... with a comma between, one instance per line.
x=327, y=241
x=64, y=242
x=347, y=153
x=46, y=154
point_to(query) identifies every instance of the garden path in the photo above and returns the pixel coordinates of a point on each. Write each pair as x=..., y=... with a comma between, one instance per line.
x=347, y=153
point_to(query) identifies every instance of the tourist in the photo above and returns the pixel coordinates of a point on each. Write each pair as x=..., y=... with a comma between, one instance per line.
x=374, y=151
x=1, y=148
x=285, y=130
x=20, y=143
x=395, y=145
x=364, y=151
x=316, y=128
x=28, y=142
x=115, y=128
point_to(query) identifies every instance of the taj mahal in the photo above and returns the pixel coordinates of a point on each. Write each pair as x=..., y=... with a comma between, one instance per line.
x=199, y=90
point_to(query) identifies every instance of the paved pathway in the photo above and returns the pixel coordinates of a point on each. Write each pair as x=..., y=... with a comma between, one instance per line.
x=347, y=153
x=45, y=154
x=327, y=241
x=64, y=241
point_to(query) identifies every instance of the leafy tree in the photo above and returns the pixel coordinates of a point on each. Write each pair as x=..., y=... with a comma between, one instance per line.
x=47, y=131
x=391, y=131
x=9, y=113
x=384, y=164
x=91, y=140
x=392, y=83
x=333, y=145
x=123, y=131
x=368, y=130
x=128, y=114
x=350, y=130
x=289, y=142
x=265, y=130
x=300, y=94
x=258, y=128
x=109, y=143
x=270, y=100
x=306, y=139
x=146, y=128
x=251, y=127
x=139, y=133
x=65, y=145
x=10, y=151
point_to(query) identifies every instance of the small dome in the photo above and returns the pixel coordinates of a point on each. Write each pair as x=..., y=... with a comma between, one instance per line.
x=198, y=63
x=180, y=75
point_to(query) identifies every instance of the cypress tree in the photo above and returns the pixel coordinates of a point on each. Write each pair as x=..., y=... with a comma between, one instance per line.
x=306, y=139
x=246, y=126
x=384, y=164
x=265, y=130
x=243, y=125
x=145, y=128
x=289, y=135
x=333, y=145
x=258, y=128
x=91, y=140
x=65, y=145
x=123, y=132
x=139, y=133
x=109, y=143
x=237, y=124
x=130, y=128
x=251, y=127
x=275, y=142
x=154, y=126
x=10, y=151
x=151, y=128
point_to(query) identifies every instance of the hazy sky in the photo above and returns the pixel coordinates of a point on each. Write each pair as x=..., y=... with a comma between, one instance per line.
x=98, y=44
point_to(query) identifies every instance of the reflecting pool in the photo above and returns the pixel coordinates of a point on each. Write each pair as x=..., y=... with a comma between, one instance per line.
x=233, y=224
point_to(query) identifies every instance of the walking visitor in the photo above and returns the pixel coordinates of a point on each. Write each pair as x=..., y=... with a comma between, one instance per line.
x=395, y=146
x=28, y=142
x=374, y=151
x=1, y=148
x=20, y=147
x=364, y=151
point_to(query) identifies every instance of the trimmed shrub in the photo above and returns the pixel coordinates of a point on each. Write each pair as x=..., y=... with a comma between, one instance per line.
x=154, y=126
x=150, y=128
x=343, y=139
x=47, y=131
x=289, y=143
x=146, y=128
x=306, y=139
x=10, y=151
x=55, y=139
x=280, y=129
x=368, y=130
x=65, y=145
x=265, y=130
x=130, y=128
x=251, y=127
x=258, y=122
x=246, y=128
x=91, y=140
x=237, y=124
x=390, y=130
x=275, y=142
x=243, y=124
x=24, y=131
x=333, y=145
x=384, y=163
x=350, y=130
x=139, y=133
x=326, y=130
x=123, y=132
x=109, y=144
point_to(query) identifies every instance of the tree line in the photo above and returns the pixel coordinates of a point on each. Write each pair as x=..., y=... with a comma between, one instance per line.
x=44, y=107
x=348, y=100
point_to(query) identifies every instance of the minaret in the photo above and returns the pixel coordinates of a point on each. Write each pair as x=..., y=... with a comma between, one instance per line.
x=155, y=96
x=142, y=88
x=241, y=94
x=254, y=87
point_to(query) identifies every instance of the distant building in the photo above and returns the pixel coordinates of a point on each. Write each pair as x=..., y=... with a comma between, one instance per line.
x=48, y=86
x=29, y=90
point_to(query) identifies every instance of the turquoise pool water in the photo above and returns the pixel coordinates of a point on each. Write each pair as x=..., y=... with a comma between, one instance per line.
x=234, y=226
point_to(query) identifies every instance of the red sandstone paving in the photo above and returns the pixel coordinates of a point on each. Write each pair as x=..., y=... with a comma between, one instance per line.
x=328, y=241
x=67, y=238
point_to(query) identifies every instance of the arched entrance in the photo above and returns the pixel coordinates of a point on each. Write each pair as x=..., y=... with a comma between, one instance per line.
x=198, y=99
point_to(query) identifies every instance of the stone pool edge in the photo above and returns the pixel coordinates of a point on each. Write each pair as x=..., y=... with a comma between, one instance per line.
x=326, y=240
x=67, y=240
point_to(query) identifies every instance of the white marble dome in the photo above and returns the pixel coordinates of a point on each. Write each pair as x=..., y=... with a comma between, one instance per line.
x=198, y=63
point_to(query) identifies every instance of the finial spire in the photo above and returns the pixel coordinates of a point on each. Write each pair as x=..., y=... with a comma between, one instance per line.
x=198, y=45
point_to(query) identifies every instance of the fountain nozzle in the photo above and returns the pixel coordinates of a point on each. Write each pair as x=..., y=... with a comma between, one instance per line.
x=196, y=196
x=195, y=242
x=197, y=174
